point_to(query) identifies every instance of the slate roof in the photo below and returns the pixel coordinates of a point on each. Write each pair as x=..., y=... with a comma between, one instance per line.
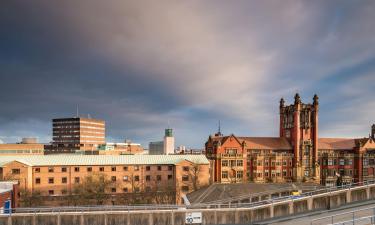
x=70, y=160
x=337, y=143
x=275, y=143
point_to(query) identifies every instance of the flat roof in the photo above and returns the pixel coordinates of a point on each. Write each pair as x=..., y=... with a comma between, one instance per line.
x=93, y=160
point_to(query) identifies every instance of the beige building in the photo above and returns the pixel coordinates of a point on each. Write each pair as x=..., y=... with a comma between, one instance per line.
x=57, y=175
x=21, y=149
x=77, y=134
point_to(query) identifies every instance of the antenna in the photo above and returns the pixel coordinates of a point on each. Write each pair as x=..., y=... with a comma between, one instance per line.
x=219, y=128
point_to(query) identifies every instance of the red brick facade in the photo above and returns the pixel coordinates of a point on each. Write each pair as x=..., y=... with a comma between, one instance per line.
x=297, y=155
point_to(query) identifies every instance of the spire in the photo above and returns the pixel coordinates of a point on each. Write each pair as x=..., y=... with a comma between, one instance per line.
x=297, y=99
x=316, y=99
x=218, y=134
x=282, y=102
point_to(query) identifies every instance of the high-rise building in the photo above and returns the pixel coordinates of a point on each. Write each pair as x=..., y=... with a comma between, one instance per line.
x=77, y=134
x=168, y=142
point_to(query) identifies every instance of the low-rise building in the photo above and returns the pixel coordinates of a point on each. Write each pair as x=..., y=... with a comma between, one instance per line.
x=57, y=175
x=22, y=149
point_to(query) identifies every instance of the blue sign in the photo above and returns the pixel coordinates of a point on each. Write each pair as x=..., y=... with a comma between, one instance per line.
x=8, y=207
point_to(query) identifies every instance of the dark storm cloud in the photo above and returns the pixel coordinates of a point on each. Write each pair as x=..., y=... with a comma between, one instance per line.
x=140, y=65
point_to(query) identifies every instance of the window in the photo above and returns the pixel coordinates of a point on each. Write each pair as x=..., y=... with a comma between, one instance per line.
x=148, y=178
x=136, y=189
x=240, y=163
x=185, y=178
x=125, y=178
x=330, y=162
x=148, y=168
x=113, y=168
x=37, y=180
x=76, y=169
x=185, y=188
x=37, y=170
x=136, y=168
x=16, y=171
x=170, y=168
x=186, y=168
x=232, y=163
x=239, y=174
x=159, y=168
x=170, y=177
x=284, y=173
x=125, y=168
x=125, y=190
x=101, y=169
x=224, y=163
x=158, y=177
x=76, y=180
x=51, y=192
x=64, y=180
x=224, y=174
x=113, y=178
x=136, y=178
x=350, y=161
x=284, y=163
x=51, y=180
x=89, y=169
x=50, y=169
x=113, y=190
x=63, y=169
x=342, y=162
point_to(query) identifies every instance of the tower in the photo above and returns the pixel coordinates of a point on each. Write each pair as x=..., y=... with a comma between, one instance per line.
x=373, y=131
x=168, y=141
x=299, y=124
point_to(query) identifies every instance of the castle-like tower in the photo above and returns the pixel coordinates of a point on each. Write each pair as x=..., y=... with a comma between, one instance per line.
x=299, y=124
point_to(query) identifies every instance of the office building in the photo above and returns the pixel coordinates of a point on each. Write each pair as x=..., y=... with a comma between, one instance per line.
x=77, y=135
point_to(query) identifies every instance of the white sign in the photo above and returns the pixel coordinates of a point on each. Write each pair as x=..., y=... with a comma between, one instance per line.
x=193, y=217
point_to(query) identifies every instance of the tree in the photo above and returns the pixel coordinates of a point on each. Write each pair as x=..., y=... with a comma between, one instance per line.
x=29, y=199
x=93, y=188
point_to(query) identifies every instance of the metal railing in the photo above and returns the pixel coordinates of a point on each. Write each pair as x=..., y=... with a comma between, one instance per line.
x=193, y=206
x=345, y=217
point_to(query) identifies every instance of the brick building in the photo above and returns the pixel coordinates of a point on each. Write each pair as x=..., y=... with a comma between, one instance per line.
x=298, y=154
x=57, y=175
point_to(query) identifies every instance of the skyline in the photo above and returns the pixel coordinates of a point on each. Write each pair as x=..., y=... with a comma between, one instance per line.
x=139, y=65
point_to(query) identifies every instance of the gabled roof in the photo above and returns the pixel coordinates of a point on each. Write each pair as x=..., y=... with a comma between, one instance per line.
x=337, y=143
x=274, y=143
x=71, y=160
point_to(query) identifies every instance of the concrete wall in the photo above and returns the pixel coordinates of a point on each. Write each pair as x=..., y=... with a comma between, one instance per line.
x=209, y=216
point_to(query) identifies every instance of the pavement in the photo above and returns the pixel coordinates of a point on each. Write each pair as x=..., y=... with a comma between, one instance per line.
x=307, y=219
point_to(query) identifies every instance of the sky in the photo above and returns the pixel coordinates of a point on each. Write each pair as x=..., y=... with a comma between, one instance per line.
x=145, y=65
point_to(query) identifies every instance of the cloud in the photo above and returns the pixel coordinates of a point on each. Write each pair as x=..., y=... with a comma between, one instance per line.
x=138, y=65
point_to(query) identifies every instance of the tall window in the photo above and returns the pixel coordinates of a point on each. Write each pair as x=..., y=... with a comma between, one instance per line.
x=224, y=174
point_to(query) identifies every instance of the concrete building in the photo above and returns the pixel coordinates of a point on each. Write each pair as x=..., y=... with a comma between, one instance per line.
x=22, y=149
x=168, y=142
x=77, y=134
x=156, y=148
x=298, y=154
x=126, y=148
x=58, y=175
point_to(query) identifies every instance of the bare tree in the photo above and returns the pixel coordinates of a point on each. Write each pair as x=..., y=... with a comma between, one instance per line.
x=93, y=188
x=29, y=198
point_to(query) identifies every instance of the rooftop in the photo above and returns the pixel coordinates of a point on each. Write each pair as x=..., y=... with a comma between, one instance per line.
x=71, y=160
